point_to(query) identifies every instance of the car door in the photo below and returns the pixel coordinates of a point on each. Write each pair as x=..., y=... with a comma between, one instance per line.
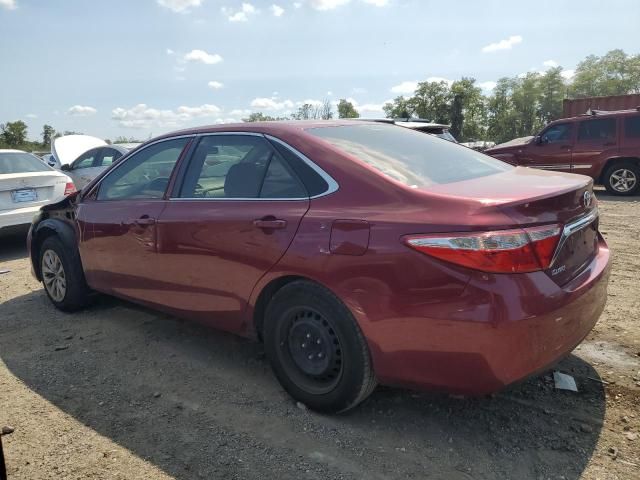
x=234, y=216
x=551, y=150
x=117, y=222
x=597, y=137
x=82, y=170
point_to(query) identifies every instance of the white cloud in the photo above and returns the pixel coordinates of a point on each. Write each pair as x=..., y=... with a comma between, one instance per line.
x=310, y=101
x=568, y=74
x=202, y=56
x=370, y=108
x=550, y=63
x=241, y=15
x=502, y=44
x=440, y=79
x=271, y=104
x=170, y=52
x=488, y=85
x=178, y=6
x=240, y=112
x=81, y=111
x=327, y=4
x=215, y=85
x=277, y=10
x=405, y=88
x=31, y=115
x=297, y=4
x=143, y=116
x=377, y=3
x=8, y=4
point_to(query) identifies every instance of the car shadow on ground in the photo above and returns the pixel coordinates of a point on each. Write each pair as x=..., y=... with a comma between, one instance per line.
x=13, y=245
x=203, y=404
x=602, y=194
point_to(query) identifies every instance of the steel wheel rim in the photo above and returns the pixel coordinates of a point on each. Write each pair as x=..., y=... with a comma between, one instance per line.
x=623, y=180
x=307, y=333
x=53, y=276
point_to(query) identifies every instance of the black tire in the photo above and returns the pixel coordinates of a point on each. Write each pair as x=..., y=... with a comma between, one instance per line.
x=611, y=178
x=76, y=293
x=340, y=376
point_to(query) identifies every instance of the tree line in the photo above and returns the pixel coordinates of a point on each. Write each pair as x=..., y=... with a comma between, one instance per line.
x=517, y=106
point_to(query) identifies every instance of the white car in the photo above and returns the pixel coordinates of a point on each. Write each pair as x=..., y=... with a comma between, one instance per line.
x=83, y=157
x=26, y=184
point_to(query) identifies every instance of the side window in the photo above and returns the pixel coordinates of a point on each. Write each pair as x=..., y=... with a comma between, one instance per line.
x=632, y=127
x=227, y=166
x=145, y=174
x=557, y=133
x=597, y=130
x=85, y=160
x=109, y=155
x=313, y=182
x=280, y=181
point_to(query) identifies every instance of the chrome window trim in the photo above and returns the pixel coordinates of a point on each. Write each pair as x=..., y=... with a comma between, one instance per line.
x=122, y=160
x=573, y=227
x=332, y=184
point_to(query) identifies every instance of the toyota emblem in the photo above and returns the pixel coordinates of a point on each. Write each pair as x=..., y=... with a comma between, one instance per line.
x=586, y=199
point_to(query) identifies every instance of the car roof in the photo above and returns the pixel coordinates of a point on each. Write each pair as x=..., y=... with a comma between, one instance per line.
x=599, y=114
x=276, y=126
x=11, y=150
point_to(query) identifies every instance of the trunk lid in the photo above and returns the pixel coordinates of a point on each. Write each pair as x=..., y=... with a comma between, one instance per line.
x=19, y=190
x=532, y=197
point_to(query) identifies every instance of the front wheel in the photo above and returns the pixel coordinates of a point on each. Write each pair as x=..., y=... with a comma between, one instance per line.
x=62, y=276
x=622, y=178
x=316, y=348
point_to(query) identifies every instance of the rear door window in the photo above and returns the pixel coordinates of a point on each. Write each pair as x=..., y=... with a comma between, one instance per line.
x=412, y=158
x=86, y=160
x=601, y=129
x=632, y=127
x=239, y=166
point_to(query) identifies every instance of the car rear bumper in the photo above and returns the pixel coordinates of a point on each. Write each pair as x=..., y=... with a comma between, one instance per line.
x=18, y=216
x=504, y=329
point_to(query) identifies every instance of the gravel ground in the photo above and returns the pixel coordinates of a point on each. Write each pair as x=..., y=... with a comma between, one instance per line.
x=121, y=392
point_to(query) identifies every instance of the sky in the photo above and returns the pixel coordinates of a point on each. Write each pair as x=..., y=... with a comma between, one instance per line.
x=140, y=68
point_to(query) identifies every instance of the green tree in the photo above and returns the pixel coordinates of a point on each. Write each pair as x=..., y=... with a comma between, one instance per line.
x=14, y=134
x=346, y=109
x=400, y=107
x=552, y=91
x=48, y=133
x=261, y=117
x=468, y=110
x=615, y=73
x=324, y=111
x=432, y=101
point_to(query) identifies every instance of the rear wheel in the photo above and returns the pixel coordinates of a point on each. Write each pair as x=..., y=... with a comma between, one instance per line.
x=622, y=178
x=316, y=348
x=62, y=276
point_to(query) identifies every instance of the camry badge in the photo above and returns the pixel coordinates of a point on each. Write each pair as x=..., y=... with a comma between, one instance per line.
x=586, y=199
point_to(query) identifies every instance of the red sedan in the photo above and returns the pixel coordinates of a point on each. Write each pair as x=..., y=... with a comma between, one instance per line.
x=359, y=253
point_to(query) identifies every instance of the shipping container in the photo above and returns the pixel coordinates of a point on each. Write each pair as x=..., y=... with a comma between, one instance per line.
x=580, y=106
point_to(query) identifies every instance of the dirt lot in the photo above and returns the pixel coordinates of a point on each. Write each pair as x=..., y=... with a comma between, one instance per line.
x=122, y=392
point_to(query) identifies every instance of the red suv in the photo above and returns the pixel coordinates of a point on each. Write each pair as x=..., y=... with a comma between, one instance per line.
x=603, y=145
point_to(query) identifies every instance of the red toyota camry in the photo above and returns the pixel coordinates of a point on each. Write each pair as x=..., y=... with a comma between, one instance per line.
x=359, y=253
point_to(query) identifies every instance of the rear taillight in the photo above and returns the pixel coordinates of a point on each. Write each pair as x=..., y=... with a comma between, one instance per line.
x=502, y=251
x=69, y=188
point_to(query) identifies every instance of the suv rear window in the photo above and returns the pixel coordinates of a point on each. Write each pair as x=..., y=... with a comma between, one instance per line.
x=600, y=129
x=410, y=157
x=632, y=127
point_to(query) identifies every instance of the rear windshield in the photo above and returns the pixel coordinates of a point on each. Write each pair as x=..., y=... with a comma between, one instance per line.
x=410, y=157
x=20, y=162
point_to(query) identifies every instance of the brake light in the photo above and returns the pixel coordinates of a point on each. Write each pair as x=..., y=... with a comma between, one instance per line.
x=501, y=251
x=69, y=188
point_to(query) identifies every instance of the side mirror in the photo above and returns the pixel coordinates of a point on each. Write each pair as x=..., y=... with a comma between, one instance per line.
x=539, y=140
x=66, y=167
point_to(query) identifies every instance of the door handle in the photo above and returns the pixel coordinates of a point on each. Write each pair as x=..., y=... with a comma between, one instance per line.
x=145, y=220
x=270, y=223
